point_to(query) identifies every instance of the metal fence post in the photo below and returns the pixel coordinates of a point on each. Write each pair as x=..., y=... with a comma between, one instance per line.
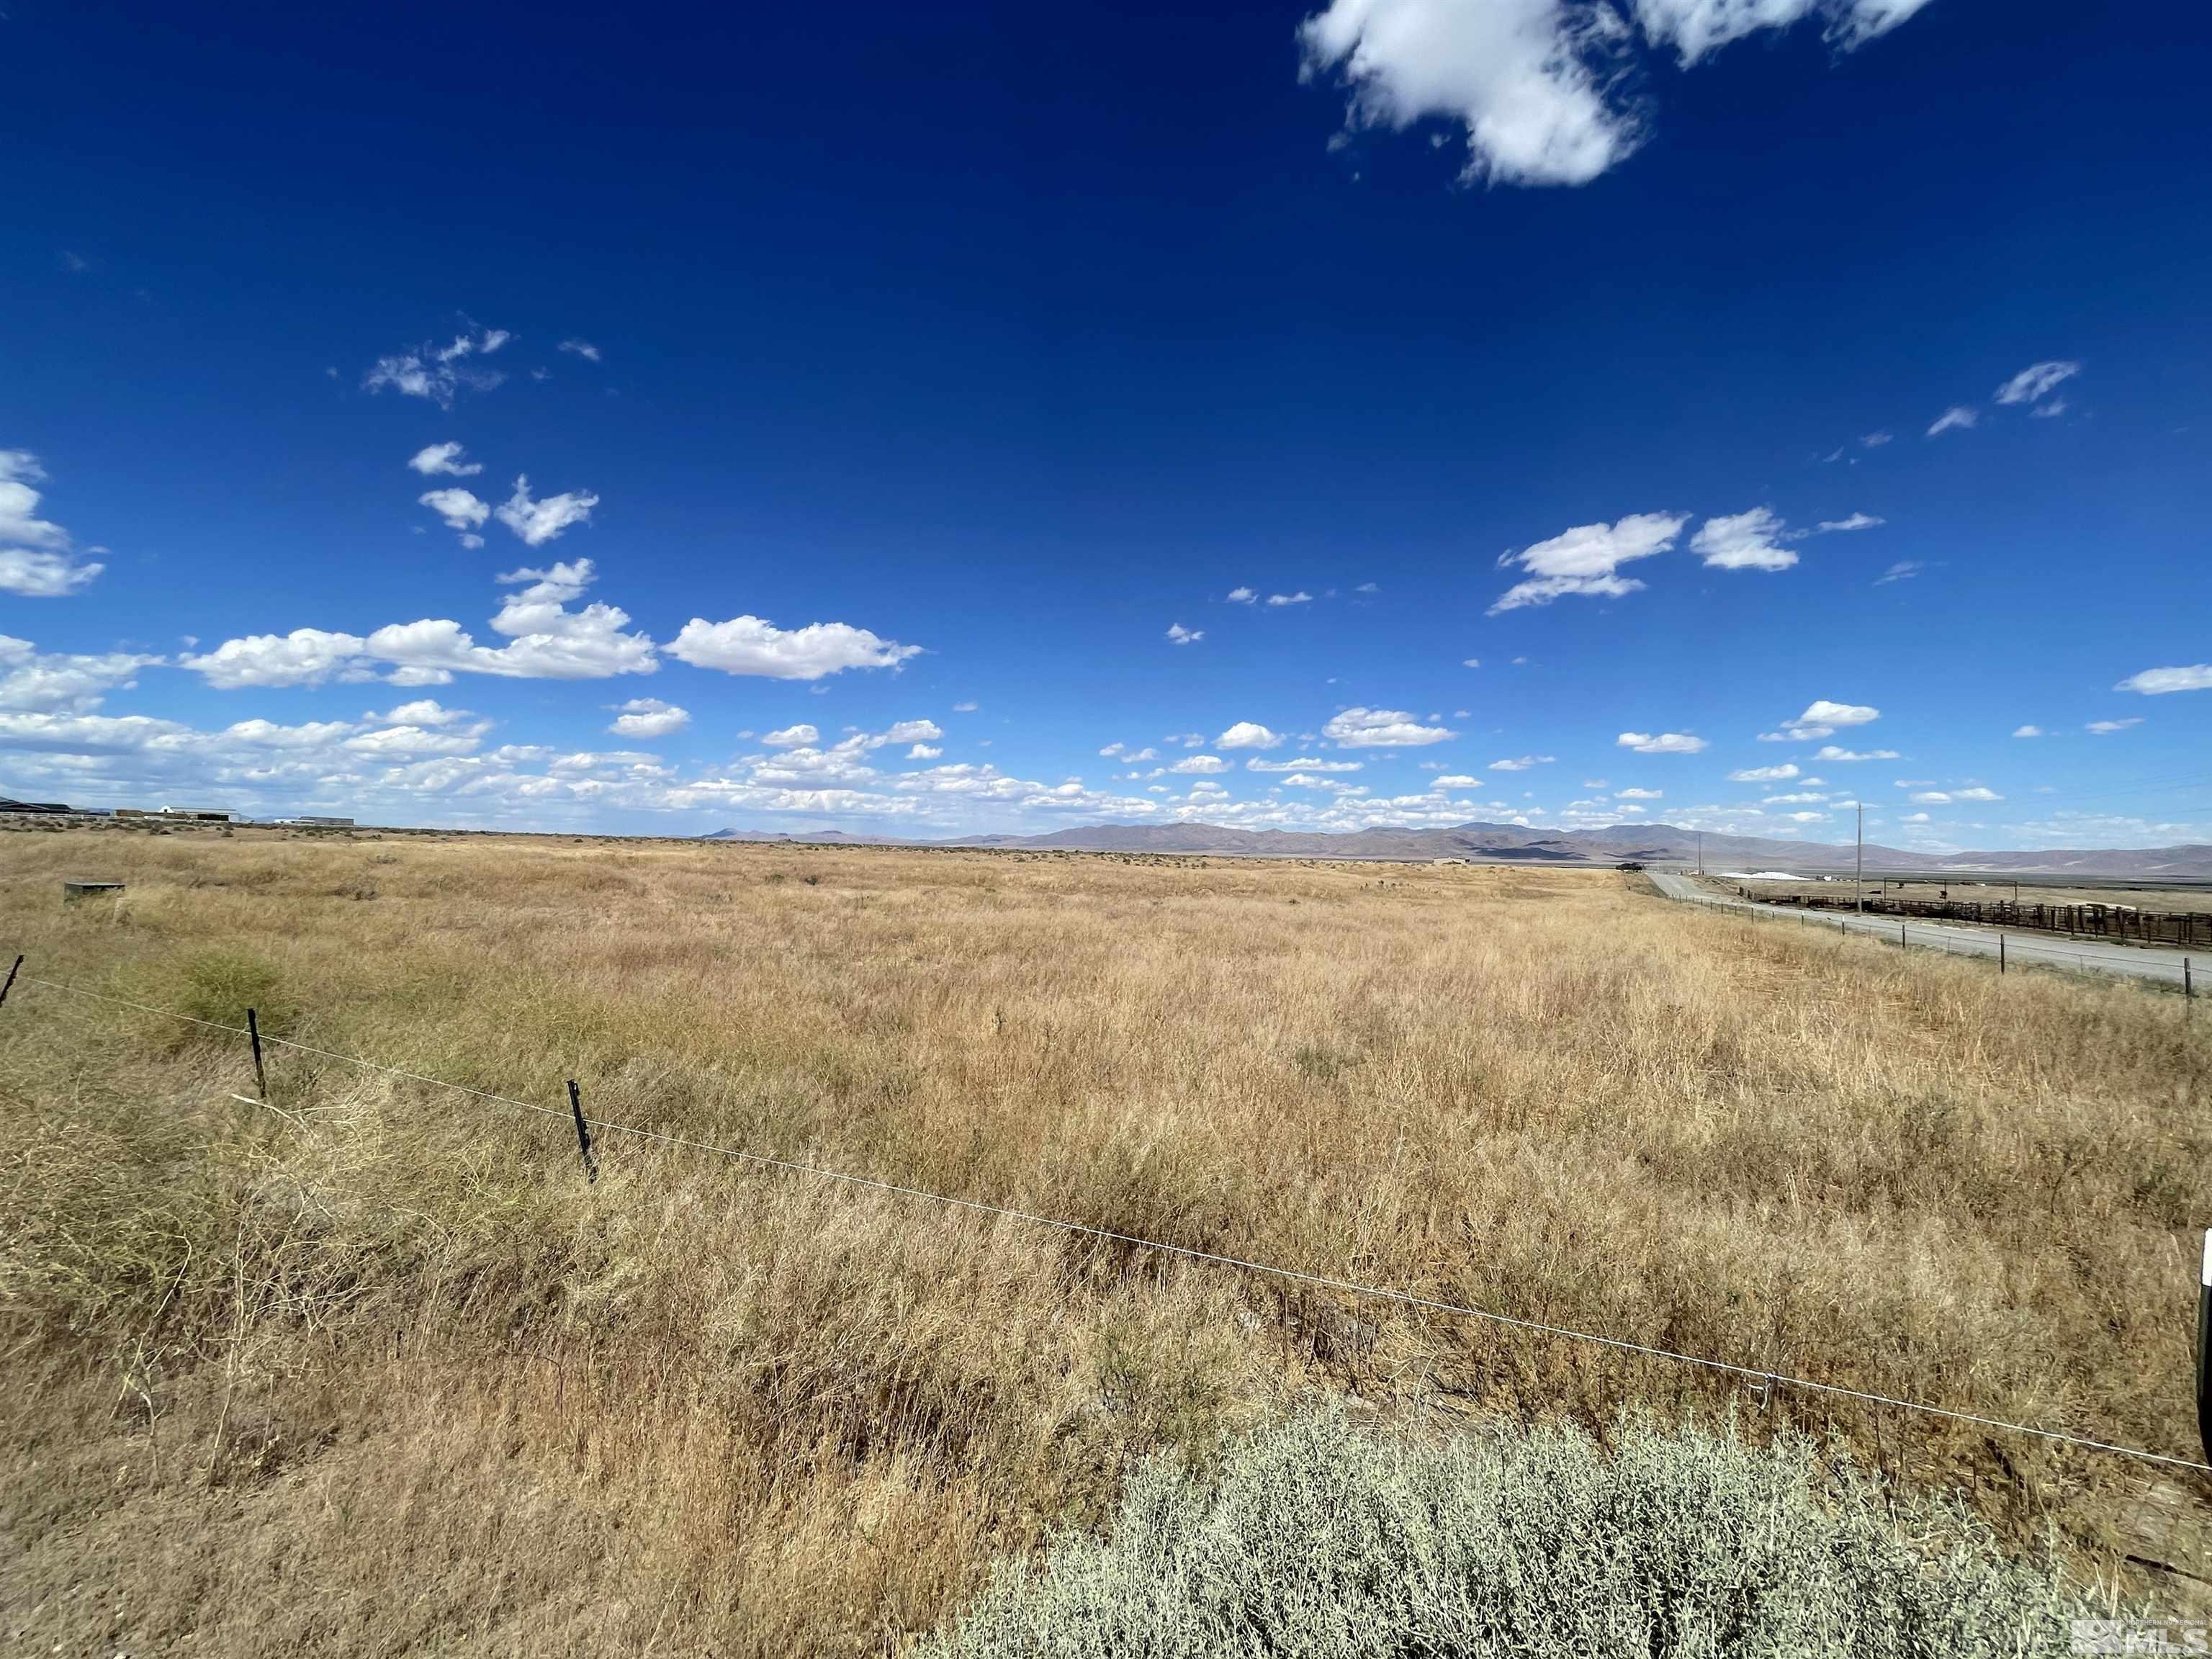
x=260, y=1077
x=11, y=979
x=2001, y=965
x=2204, y=1351
x=583, y=1132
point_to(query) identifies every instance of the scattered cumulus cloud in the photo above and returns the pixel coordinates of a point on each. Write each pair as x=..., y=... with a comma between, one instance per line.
x=1520, y=762
x=1190, y=763
x=1381, y=728
x=1300, y=598
x=1875, y=440
x=753, y=645
x=649, y=717
x=444, y=460
x=2105, y=728
x=1181, y=635
x=458, y=507
x=1639, y=794
x=38, y=559
x=1780, y=773
x=541, y=521
x=1243, y=596
x=1661, y=743
x=1830, y=752
x=2151, y=683
x=1539, y=90
x=2028, y=731
x=792, y=737
x=1587, y=560
x=1744, y=541
x=1958, y=417
x=440, y=373
x=583, y=349
x=1304, y=763
x=1855, y=521
x=1248, y=734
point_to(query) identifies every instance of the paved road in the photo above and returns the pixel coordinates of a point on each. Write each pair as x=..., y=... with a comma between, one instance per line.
x=2086, y=956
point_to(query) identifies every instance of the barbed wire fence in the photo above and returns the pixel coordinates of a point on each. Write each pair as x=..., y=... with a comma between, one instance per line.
x=1766, y=1381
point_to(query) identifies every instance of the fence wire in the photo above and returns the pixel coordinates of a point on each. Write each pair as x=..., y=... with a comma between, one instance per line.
x=1765, y=1379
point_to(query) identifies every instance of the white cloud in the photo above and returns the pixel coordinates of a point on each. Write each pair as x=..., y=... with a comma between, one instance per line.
x=2028, y=731
x=2157, y=682
x=1304, y=763
x=1248, y=734
x=1932, y=798
x=1242, y=595
x=1976, y=793
x=538, y=522
x=1539, y=87
x=1520, y=762
x=444, y=460
x=1915, y=818
x=1903, y=570
x=37, y=557
x=1300, y=598
x=1793, y=800
x=923, y=730
x=1639, y=794
x=1369, y=588
x=1958, y=417
x=965, y=707
x=1199, y=763
x=1875, y=440
x=438, y=373
x=924, y=751
x=1855, y=521
x=1587, y=559
x=1826, y=715
x=1456, y=780
x=583, y=349
x=1661, y=743
x=792, y=737
x=1471, y=662
x=1381, y=728
x=546, y=640
x=63, y=683
x=1764, y=774
x=427, y=711
x=649, y=717
x=2105, y=728
x=1743, y=541
x=1830, y=752
x=2032, y=383
x=752, y=645
x=1181, y=635
x=460, y=509
x=2049, y=411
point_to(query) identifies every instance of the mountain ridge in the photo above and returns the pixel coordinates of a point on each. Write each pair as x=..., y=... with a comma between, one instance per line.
x=1512, y=843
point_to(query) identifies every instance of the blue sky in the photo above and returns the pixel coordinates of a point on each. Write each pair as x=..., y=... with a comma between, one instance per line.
x=489, y=416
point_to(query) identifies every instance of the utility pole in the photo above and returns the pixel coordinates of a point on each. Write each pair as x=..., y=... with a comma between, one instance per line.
x=1858, y=869
x=1701, y=852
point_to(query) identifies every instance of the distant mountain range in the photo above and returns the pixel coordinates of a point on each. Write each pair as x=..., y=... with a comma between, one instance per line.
x=1511, y=843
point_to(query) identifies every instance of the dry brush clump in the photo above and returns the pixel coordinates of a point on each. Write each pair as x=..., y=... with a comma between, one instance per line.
x=390, y=1338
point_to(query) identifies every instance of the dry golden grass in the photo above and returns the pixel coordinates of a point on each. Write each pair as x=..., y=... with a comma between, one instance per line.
x=385, y=1375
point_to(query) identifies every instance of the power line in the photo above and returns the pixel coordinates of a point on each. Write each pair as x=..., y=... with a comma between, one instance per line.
x=1377, y=1292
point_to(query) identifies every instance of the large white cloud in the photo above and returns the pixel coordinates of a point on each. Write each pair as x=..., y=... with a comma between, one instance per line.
x=62, y=682
x=1744, y=541
x=753, y=645
x=2156, y=682
x=1247, y=734
x=1587, y=559
x=1381, y=728
x=546, y=640
x=37, y=557
x=1540, y=87
x=649, y=717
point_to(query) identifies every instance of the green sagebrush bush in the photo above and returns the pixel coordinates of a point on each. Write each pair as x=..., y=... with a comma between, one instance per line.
x=1315, y=1539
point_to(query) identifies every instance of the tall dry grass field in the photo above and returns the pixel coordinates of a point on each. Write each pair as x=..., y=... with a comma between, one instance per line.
x=382, y=1374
